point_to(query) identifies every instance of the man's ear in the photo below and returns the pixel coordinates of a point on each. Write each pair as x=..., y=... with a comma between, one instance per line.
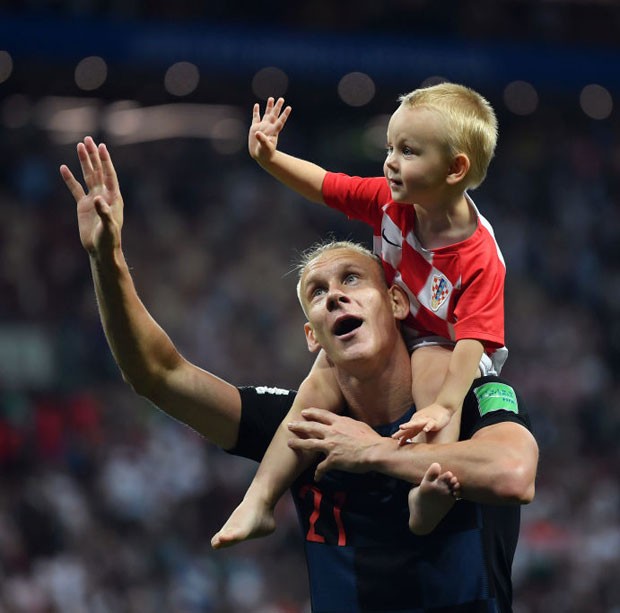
x=313, y=345
x=458, y=168
x=400, y=302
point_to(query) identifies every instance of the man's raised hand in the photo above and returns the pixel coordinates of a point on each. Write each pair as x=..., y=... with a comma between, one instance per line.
x=100, y=207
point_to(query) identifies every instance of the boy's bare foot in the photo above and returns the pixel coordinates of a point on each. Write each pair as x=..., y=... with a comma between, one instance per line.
x=432, y=499
x=246, y=522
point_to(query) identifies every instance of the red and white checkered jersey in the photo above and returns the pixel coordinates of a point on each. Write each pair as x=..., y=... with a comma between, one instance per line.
x=456, y=292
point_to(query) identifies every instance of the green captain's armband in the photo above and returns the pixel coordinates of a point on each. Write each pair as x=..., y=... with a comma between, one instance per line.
x=496, y=397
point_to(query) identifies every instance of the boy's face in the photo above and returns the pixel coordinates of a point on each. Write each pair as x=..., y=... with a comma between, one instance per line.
x=417, y=161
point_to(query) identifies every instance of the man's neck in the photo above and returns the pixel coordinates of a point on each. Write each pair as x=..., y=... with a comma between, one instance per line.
x=380, y=393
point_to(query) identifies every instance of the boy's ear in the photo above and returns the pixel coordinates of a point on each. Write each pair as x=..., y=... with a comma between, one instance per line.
x=400, y=302
x=458, y=168
x=313, y=345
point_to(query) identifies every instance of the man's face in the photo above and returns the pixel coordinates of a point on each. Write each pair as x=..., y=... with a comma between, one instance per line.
x=351, y=313
x=417, y=162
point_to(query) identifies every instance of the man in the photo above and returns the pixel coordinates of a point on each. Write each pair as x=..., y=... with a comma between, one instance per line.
x=361, y=555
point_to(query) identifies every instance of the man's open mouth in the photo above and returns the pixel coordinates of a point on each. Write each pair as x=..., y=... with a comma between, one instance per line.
x=346, y=325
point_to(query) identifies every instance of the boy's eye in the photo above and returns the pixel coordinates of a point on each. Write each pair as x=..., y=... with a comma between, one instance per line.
x=388, y=150
x=407, y=151
x=351, y=278
x=317, y=291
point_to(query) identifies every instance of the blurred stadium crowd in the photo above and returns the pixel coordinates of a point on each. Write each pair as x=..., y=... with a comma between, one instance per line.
x=107, y=505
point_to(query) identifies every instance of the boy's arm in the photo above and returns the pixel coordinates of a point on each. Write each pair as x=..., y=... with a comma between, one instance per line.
x=148, y=359
x=497, y=465
x=462, y=369
x=300, y=175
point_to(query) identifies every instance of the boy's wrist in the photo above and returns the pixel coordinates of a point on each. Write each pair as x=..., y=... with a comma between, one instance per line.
x=449, y=404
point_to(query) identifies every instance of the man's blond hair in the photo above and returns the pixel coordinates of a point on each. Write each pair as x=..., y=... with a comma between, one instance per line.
x=470, y=121
x=318, y=249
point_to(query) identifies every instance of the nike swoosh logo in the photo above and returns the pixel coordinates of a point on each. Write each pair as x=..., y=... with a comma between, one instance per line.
x=387, y=240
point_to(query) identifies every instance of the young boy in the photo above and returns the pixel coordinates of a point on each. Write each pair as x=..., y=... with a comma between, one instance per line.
x=436, y=245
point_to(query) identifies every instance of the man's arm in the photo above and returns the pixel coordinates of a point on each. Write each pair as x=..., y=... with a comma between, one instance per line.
x=148, y=359
x=497, y=465
x=300, y=175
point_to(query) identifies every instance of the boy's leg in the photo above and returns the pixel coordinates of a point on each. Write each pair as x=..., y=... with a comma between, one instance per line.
x=432, y=499
x=280, y=466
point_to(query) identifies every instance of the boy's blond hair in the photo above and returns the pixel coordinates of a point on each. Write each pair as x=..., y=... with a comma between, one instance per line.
x=471, y=124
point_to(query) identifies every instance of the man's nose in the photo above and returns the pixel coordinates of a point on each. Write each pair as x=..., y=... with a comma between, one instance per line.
x=335, y=299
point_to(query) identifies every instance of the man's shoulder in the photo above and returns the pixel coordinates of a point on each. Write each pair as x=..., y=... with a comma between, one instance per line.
x=492, y=400
x=263, y=408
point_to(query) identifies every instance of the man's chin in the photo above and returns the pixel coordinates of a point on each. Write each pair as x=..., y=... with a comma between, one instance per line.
x=351, y=351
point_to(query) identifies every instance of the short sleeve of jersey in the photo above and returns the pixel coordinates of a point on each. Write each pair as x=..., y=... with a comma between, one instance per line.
x=358, y=198
x=262, y=411
x=479, y=309
x=491, y=400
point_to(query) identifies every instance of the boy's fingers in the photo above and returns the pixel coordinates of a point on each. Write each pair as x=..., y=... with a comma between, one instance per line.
x=278, y=106
x=284, y=115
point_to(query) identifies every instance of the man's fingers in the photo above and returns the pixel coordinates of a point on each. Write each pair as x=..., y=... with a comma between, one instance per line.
x=75, y=187
x=319, y=415
x=103, y=210
x=304, y=444
x=85, y=163
x=93, y=154
x=320, y=470
x=109, y=173
x=307, y=429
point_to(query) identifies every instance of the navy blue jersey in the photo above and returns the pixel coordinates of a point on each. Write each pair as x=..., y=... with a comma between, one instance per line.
x=361, y=555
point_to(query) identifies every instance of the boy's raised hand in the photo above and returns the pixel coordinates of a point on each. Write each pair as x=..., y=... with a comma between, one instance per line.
x=264, y=131
x=100, y=208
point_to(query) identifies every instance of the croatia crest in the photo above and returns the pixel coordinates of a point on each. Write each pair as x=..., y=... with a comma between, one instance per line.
x=439, y=291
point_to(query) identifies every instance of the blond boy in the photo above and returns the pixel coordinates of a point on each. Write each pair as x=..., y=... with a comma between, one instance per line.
x=435, y=244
